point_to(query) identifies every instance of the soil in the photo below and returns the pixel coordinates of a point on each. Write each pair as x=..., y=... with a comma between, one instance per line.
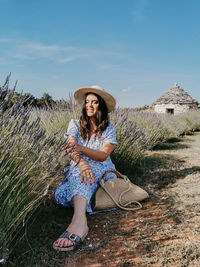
x=166, y=231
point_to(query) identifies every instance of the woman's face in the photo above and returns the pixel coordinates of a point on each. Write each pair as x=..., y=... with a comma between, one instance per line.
x=91, y=105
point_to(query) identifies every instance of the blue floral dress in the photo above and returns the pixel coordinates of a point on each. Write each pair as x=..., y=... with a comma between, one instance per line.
x=72, y=185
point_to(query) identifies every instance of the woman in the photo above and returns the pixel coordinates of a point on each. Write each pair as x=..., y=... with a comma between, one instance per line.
x=90, y=142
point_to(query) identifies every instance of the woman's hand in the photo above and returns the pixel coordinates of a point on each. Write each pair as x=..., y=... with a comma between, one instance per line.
x=70, y=142
x=86, y=173
x=71, y=145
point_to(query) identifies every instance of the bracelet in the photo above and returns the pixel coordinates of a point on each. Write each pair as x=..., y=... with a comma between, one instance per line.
x=74, y=156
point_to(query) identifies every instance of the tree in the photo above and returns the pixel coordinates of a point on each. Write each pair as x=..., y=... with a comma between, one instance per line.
x=45, y=100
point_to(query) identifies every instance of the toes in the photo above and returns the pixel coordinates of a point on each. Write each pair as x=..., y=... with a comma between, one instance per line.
x=63, y=242
x=56, y=243
x=67, y=243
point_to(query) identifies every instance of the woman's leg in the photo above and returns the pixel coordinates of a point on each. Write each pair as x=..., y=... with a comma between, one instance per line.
x=78, y=224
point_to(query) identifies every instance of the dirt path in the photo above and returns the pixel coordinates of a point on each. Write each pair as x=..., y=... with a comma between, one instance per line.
x=166, y=232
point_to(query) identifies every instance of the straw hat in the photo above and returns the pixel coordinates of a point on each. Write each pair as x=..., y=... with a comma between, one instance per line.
x=109, y=99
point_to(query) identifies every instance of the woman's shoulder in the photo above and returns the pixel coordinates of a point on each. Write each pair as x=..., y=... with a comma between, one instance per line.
x=109, y=128
x=73, y=128
x=109, y=135
x=111, y=125
x=74, y=122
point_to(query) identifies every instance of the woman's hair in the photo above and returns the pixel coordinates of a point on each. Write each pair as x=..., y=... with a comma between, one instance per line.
x=102, y=120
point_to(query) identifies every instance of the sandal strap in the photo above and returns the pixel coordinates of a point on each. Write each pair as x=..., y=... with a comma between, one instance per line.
x=76, y=240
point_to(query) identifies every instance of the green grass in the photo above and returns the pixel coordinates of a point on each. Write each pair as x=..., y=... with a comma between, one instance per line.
x=45, y=226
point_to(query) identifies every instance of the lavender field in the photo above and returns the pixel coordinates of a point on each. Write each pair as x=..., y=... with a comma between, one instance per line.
x=32, y=163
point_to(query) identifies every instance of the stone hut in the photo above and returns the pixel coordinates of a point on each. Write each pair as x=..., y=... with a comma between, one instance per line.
x=175, y=101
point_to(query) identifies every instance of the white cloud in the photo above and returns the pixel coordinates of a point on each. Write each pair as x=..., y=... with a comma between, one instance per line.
x=47, y=48
x=110, y=66
x=21, y=52
x=68, y=59
x=4, y=40
x=52, y=52
x=25, y=51
x=3, y=61
x=59, y=54
x=127, y=90
x=54, y=77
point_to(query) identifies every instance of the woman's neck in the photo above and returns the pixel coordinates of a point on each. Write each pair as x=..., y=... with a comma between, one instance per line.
x=93, y=124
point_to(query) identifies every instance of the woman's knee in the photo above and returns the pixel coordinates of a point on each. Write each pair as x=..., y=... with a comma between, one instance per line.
x=79, y=198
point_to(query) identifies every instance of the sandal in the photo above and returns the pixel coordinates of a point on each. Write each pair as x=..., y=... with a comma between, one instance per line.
x=76, y=240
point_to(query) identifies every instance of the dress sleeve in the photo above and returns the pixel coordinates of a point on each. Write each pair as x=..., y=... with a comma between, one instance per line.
x=109, y=136
x=73, y=129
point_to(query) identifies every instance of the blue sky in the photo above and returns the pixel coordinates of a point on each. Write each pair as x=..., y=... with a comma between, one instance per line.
x=135, y=49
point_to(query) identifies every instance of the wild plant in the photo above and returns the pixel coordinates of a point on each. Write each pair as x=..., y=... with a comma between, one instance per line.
x=192, y=119
x=132, y=141
x=152, y=124
x=55, y=118
x=29, y=164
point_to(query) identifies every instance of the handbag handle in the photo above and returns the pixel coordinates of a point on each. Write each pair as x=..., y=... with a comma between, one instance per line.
x=120, y=204
x=115, y=172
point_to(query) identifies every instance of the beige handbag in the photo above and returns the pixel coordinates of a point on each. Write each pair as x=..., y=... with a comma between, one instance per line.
x=118, y=192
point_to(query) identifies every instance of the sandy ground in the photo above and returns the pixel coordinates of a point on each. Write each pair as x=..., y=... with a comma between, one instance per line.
x=166, y=231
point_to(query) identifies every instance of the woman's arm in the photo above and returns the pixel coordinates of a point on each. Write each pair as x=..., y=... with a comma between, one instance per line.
x=85, y=170
x=97, y=155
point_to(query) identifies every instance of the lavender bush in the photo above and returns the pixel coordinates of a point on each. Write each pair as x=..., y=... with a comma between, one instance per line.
x=161, y=127
x=28, y=167
x=152, y=125
x=192, y=119
x=55, y=119
x=132, y=141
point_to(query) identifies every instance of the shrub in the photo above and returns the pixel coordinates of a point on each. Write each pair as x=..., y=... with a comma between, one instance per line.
x=28, y=162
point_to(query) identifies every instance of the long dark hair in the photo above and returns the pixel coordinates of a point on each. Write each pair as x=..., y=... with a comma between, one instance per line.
x=102, y=120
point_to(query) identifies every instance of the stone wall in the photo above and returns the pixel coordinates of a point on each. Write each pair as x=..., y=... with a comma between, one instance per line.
x=178, y=108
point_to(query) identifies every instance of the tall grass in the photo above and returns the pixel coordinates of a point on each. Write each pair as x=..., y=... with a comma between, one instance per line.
x=132, y=141
x=31, y=159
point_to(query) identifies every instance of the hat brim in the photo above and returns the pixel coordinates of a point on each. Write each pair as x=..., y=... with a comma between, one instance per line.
x=79, y=96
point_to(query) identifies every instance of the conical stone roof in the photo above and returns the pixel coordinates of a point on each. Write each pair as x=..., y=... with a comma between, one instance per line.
x=175, y=95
